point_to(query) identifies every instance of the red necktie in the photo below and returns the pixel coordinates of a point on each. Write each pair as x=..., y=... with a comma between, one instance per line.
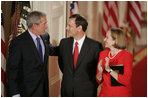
x=75, y=55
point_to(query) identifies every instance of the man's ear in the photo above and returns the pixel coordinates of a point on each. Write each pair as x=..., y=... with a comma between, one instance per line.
x=79, y=28
x=34, y=25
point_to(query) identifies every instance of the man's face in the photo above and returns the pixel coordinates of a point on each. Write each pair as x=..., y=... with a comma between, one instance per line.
x=41, y=28
x=71, y=27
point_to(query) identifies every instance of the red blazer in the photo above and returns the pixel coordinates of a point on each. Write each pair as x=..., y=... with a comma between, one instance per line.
x=123, y=57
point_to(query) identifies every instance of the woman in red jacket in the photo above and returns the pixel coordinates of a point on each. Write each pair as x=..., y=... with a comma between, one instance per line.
x=115, y=66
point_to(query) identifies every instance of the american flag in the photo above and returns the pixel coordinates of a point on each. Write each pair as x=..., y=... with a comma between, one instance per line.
x=19, y=12
x=3, y=59
x=74, y=7
x=110, y=16
x=134, y=16
x=15, y=16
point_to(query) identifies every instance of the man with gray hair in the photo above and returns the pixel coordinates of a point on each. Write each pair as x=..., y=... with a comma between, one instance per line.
x=27, y=72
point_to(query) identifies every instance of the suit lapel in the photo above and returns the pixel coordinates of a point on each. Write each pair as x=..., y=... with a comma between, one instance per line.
x=46, y=52
x=34, y=49
x=82, y=53
x=44, y=41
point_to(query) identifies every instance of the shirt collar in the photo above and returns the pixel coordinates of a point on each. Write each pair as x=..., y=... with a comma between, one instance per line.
x=32, y=35
x=80, y=42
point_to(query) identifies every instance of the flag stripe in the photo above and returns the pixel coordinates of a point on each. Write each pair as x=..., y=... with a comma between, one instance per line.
x=136, y=11
x=2, y=90
x=110, y=16
x=3, y=74
x=3, y=50
x=3, y=63
x=134, y=15
x=105, y=26
x=135, y=28
x=2, y=34
x=136, y=8
x=3, y=59
x=114, y=18
x=135, y=20
x=135, y=24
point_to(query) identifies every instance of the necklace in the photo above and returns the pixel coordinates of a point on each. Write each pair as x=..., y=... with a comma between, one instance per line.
x=113, y=55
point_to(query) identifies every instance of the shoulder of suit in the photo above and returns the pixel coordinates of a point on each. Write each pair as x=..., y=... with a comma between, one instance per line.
x=92, y=41
x=66, y=39
x=20, y=37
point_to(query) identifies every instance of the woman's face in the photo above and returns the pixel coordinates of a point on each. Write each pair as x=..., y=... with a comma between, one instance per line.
x=109, y=42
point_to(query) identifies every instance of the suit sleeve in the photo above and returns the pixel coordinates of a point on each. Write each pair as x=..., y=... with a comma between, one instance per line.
x=126, y=76
x=53, y=50
x=60, y=61
x=99, y=49
x=14, y=61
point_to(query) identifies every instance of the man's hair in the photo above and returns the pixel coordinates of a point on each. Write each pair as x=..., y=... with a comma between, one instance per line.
x=119, y=37
x=80, y=21
x=34, y=18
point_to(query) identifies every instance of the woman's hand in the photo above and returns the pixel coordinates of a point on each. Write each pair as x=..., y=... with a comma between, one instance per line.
x=107, y=68
x=100, y=68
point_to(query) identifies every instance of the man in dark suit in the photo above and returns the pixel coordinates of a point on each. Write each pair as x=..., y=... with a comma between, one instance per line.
x=78, y=58
x=27, y=72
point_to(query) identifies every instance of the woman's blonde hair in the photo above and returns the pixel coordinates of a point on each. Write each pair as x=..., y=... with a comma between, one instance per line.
x=119, y=37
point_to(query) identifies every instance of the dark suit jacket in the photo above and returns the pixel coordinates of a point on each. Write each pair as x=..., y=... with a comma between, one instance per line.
x=26, y=74
x=81, y=81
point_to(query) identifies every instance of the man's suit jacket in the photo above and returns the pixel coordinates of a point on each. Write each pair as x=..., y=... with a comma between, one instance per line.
x=26, y=74
x=81, y=80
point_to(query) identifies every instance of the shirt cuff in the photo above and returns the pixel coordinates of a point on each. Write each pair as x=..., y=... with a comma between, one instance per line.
x=16, y=95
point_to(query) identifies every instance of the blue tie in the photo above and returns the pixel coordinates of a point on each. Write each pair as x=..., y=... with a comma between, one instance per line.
x=39, y=47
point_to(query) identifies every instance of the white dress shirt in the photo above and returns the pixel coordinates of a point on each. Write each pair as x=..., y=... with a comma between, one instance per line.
x=80, y=43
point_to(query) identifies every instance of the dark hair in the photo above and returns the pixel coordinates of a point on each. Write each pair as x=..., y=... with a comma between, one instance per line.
x=80, y=21
x=119, y=36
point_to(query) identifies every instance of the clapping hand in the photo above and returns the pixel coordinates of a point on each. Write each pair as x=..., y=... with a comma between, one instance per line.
x=100, y=68
x=107, y=68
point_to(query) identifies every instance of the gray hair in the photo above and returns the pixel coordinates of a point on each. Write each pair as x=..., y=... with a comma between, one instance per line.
x=34, y=18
